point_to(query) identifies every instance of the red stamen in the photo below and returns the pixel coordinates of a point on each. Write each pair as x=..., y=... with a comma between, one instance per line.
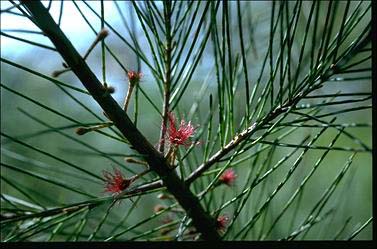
x=181, y=135
x=228, y=177
x=134, y=77
x=116, y=182
x=222, y=222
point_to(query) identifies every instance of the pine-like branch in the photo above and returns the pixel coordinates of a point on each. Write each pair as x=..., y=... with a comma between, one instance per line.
x=202, y=221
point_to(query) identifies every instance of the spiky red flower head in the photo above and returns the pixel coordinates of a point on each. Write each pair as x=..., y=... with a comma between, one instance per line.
x=181, y=135
x=134, y=77
x=222, y=221
x=115, y=182
x=228, y=177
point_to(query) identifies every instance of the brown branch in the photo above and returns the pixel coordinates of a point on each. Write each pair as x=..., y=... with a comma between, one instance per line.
x=201, y=220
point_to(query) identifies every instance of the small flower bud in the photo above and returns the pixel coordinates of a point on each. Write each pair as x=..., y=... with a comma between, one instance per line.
x=221, y=222
x=111, y=89
x=56, y=73
x=159, y=208
x=102, y=34
x=132, y=160
x=228, y=177
x=81, y=131
x=134, y=77
x=164, y=196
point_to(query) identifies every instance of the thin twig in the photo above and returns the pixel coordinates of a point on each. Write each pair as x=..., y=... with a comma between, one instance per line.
x=167, y=78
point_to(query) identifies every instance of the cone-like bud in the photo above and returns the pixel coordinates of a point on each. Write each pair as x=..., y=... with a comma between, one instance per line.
x=102, y=34
x=158, y=208
x=81, y=131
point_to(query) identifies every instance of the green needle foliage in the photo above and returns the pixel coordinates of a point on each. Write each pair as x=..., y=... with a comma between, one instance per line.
x=272, y=101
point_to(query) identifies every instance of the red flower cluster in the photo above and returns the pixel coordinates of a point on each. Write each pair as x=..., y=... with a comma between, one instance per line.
x=116, y=183
x=181, y=135
x=222, y=222
x=134, y=77
x=228, y=177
